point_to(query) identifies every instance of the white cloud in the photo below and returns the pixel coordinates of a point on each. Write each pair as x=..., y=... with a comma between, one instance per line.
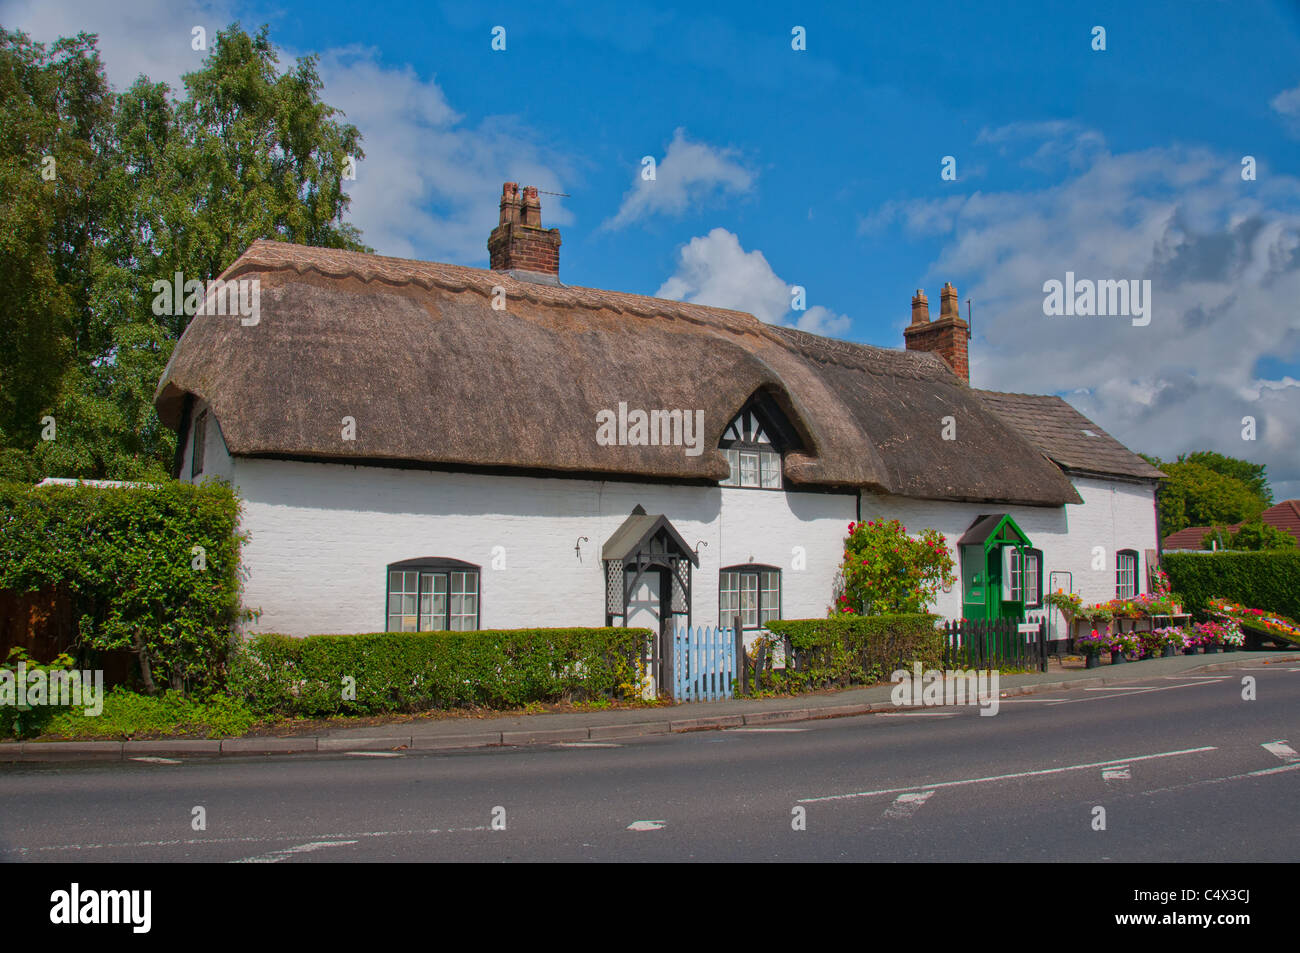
x=1287, y=103
x=715, y=270
x=430, y=183
x=689, y=174
x=1223, y=257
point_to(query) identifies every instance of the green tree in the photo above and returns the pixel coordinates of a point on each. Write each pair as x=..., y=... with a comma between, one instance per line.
x=146, y=186
x=1197, y=494
x=1254, y=475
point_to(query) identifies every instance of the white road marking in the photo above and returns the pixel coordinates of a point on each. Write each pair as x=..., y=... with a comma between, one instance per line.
x=259, y=839
x=916, y=714
x=1008, y=777
x=1143, y=691
x=1282, y=750
x=155, y=760
x=375, y=754
x=586, y=744
x=1116, y=774
x=1280, y=769
x=905, y=805
x=275, y=856
x=1211, y=678
x=647, y=825
x=1123, y=688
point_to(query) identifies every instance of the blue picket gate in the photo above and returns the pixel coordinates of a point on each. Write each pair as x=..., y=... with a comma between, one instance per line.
x=704, y=664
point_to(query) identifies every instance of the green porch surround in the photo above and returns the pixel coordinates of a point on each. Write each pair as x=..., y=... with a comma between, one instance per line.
x=984, y=554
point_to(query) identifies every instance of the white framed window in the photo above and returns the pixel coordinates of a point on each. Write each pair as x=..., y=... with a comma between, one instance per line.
x=432, y=595
x=1125, y=574
x=752, y=592
x=1033, y=577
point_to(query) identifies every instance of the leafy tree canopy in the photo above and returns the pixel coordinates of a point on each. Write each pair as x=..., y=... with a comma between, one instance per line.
x=103, y=193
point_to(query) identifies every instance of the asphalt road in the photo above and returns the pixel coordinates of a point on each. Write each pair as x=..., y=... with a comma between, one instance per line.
x=1184, y=768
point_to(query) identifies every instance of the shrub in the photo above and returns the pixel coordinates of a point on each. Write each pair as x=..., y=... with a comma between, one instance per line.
x=856, y=650
x=129, y=715
x=127, y=558
x=887, y=571
x=27, y=721
x=399, y=671
x=1269, y=580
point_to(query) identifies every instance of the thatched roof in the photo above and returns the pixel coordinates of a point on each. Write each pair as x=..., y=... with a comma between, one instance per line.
x=435, y=376
x=1069, y=438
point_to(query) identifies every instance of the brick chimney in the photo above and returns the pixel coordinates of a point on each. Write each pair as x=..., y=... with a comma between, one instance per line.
x=519, y=242
x=948, y=336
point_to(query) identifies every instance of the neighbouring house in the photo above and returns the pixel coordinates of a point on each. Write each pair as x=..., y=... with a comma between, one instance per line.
x=1284, y=516
x=427, y=446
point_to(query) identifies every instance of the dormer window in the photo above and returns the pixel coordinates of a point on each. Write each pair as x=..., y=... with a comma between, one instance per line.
x=755, y=461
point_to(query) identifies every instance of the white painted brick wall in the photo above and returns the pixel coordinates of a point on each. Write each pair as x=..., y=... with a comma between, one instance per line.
x=323, y=535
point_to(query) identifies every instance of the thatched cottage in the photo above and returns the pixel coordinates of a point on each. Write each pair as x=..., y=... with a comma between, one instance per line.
x=424, y=446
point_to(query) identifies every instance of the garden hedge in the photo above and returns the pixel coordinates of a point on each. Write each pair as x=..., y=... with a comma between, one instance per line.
x=126, y=557
x=416, y=671
x=854, y=649
x=1268, y=580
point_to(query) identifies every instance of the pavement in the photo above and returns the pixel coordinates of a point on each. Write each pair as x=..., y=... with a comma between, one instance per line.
x=597, y=726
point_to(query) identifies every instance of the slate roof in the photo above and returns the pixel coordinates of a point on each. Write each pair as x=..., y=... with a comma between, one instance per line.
x=1067, y=436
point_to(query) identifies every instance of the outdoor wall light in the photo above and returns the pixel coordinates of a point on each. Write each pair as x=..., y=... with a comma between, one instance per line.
x=698, y=544
x=577, y=547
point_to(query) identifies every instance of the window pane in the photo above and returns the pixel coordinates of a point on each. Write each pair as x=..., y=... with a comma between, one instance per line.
x=770, y=464
x=749, y=600
x=728, y=598
x=770, y=606
x=748, y=469
x=1031, y=578
x=733, y=462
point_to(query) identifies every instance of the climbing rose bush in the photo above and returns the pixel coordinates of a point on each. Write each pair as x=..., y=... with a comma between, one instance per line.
x=886, y=571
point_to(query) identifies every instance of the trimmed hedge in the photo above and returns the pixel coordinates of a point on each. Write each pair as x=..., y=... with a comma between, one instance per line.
x=1268, y=580
x=417, y=671
x=126, y=557
x=855, y=649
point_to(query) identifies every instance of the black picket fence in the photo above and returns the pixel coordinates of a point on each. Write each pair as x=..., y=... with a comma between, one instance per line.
x=984, y=643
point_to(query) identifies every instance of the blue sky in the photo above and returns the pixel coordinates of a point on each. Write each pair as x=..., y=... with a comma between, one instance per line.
x=821, y=168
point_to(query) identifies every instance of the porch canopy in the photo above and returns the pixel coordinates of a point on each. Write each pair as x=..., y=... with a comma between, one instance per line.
x=645, y=543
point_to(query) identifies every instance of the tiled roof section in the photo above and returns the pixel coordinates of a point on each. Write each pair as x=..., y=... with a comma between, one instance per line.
x=1066, y=436
x=1284, y=516
x=1189, y=538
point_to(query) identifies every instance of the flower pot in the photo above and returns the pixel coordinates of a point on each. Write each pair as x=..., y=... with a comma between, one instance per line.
x=1211, y=650
x=1229, y=648
x=1189, y=650
x=1117, y=657
x=1092, y=660
x=1169, y=652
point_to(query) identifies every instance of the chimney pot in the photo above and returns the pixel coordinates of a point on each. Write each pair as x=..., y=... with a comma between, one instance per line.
x=920, y=308
x=949, y=306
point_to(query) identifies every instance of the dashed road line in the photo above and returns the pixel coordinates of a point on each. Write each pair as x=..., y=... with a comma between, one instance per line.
x=1120, y=773
x=275, y=856
x=1042, y=772
x=905, y=805
x=1282, y=750
x=647, y=825
x=155, y=760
